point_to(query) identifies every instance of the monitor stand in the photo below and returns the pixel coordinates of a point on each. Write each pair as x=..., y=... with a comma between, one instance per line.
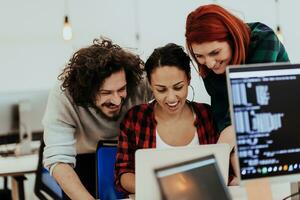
x=25, y=133
x=259, y=189
x=295, y=187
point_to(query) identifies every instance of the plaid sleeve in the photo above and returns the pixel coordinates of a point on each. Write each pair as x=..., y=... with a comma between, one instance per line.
x=207, y=129
x=125, y=150
x=210, y=127
x=265, y=47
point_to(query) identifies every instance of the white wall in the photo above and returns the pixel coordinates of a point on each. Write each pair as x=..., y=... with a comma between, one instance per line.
x=32, y=51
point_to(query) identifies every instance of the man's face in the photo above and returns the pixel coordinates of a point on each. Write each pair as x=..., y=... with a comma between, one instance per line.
x=112, y=94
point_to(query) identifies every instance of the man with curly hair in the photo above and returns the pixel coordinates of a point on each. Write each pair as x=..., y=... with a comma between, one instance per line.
x=96, y=88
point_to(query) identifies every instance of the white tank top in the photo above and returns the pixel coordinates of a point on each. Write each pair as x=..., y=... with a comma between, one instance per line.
x=160, y=144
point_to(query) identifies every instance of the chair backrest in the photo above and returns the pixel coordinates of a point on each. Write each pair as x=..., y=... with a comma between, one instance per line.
x=105, y=162
x=45, y=186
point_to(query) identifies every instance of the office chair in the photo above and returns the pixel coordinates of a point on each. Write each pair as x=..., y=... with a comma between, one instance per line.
x=45, y=186
x=105, y=163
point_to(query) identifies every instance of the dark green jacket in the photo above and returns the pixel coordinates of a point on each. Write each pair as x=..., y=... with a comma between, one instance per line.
x=264, y=47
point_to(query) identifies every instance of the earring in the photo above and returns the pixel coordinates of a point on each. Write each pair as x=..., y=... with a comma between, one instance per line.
x=193, y=92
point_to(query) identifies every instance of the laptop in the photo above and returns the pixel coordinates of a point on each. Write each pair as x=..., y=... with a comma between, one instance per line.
x=192, y=180
x=147, y=160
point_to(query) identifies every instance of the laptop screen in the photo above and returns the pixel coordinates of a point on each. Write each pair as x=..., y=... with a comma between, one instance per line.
x=194, y=179
x=265, y=107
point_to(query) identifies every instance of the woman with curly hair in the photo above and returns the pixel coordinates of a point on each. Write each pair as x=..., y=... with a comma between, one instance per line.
x=96, y=88
x=215, y=38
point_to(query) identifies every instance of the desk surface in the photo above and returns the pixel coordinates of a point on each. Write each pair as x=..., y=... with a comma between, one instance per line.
x=18, y=165
x=279, y=191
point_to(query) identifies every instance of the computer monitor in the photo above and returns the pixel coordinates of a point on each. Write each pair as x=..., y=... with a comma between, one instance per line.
x=264, y=104
x=192, y=180
x=29, y=104
x=9, y=119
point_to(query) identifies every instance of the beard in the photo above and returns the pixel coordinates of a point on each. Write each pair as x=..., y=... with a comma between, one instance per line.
x=115, y=116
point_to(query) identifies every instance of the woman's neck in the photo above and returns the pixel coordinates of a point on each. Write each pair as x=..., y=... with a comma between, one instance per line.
x=162, y=116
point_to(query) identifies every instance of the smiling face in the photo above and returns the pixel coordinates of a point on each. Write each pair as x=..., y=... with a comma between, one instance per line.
x=215, y=55
x=112, y=94
x=170, y=88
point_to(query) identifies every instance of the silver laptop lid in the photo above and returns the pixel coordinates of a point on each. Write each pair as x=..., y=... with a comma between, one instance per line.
x=146, y=160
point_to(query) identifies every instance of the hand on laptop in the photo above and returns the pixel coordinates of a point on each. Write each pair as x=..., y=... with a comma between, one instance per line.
x=234, y=182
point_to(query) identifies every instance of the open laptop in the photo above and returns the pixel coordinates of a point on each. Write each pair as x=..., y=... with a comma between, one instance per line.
x=192, y=180
x=146, y=160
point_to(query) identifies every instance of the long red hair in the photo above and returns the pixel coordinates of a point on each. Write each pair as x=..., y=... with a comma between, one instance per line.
x=213, y=23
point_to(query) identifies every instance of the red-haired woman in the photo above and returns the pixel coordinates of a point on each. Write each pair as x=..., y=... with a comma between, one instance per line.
x=215, y=38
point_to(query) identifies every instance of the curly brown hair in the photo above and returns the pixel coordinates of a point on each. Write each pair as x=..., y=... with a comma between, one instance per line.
x=89, y=67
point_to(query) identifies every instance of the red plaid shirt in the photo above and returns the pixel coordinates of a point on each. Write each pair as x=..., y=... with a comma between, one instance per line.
x=138, y=131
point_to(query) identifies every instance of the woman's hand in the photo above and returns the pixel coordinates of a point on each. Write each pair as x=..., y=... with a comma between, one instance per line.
x=128, y=182
x=234, y=182
x=227, y=136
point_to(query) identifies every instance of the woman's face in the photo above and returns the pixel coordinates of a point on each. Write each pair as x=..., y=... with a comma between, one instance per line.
x=170, y=88
x=214, y=55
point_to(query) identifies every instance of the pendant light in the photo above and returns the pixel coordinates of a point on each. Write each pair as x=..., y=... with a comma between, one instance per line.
x=278, y=30
x=67, y=29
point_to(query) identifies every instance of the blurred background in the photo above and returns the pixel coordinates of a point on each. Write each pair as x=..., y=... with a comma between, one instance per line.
x=33, y=50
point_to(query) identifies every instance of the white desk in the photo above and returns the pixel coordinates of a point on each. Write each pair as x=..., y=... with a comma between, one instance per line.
x=16, y=167
x=279, y=191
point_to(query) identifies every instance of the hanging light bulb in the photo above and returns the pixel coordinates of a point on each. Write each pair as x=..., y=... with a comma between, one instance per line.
x=278, y=28
x=279, y=33
x=67, y=29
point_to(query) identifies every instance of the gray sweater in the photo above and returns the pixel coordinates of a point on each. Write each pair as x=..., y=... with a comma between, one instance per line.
x=70, y=130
